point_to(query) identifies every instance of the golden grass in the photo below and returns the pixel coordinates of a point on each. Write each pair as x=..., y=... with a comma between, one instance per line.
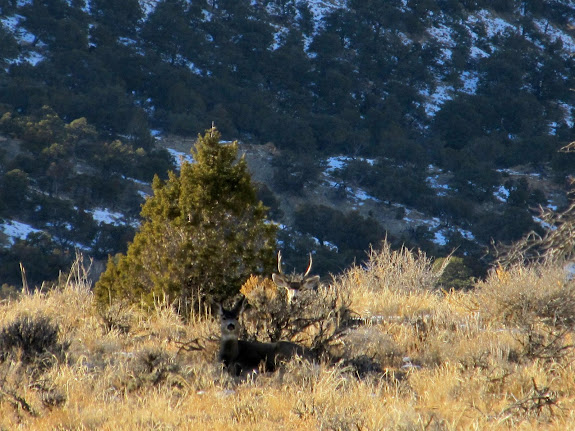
x=443, y=360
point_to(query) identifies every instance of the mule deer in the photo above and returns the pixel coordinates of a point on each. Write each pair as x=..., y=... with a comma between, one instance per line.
x=241, y=357
x=295, y=283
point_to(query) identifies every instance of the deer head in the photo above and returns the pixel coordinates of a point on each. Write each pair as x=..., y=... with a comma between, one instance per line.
x=295, y=283
x=229, y=320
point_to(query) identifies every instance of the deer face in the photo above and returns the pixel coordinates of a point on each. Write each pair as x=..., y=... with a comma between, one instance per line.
x=295, y=283
x=229, y=320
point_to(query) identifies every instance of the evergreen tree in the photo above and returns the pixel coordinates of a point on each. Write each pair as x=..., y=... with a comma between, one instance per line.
x=167, y=31
x=204, y=233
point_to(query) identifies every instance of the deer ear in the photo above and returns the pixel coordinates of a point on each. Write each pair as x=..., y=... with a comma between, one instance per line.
x=310, y=282
x=280, y=280
x=239, y=307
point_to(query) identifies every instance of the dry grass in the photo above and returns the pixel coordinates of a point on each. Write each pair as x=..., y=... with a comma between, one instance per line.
x=497, y=357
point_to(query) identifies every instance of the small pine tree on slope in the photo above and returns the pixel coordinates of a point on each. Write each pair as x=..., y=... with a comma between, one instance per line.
x=203, y=233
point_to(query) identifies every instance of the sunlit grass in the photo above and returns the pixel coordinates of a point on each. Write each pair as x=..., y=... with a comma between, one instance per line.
x=497, y=357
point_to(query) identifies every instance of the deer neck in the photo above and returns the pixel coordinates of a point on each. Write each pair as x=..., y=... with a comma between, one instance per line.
x=228, y=349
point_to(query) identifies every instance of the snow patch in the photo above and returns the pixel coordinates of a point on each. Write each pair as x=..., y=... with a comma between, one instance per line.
x=568, y=109
x=321, y=8
x=441, y=189
x=554, y=34
x=470, y=81
x=16, y=230
x=493, y=25
x=148, y=6
x=279, y=38
x=106, y=216
x=501, y=194
x=180, y=157
x=441, y=237
x=340, y=162
x=443, y=35
x=434, y=100
x=13, y=24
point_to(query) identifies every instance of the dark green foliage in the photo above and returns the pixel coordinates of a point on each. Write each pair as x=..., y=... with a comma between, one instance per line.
x=40, y=256
x=57, y=144
x=507, y=227
x=46, y=160
x=521, y=195
x=8, y=46
x=475, y=181
x=296, y=247
x=32, y=340
x=204, y=233
x=270, y=200
x=404, y=184
x=168, y=31
x=292, y=173
x=456, y=275
x=348, y=231
x=354, y=83
x=57, y=24
x=14, y=189
x=111, y=239
x=120, y=18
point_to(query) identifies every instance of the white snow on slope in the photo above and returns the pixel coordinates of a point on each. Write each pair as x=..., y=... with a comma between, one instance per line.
x=553, y=33
x=180, y=157
x=493, y=24
x=470, y=81
x=24, y=38
x=321, y=8
x=106, y=216
x=443, y=35
x=16, y=230
x=434, y=100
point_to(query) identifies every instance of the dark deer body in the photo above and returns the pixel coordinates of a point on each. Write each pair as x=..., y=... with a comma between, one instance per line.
x=241, y=356
x=295, y=283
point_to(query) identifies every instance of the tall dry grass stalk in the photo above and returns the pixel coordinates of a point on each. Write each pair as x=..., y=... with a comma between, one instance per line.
x=392, y=283
x=494, y=358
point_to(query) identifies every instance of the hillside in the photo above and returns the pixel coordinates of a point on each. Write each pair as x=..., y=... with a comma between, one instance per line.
x=434, y=124
x=326, y=190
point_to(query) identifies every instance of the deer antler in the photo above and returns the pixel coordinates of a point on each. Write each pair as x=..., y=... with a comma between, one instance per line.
x=280, y=261
x=309, y=267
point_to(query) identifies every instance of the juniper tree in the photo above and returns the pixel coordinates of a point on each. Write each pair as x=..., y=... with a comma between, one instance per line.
x=203, y=233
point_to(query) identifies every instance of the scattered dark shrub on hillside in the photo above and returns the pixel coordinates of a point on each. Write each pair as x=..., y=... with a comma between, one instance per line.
x=41, y=257
x=292, y=173
x=348, y=231
x=32, y=340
